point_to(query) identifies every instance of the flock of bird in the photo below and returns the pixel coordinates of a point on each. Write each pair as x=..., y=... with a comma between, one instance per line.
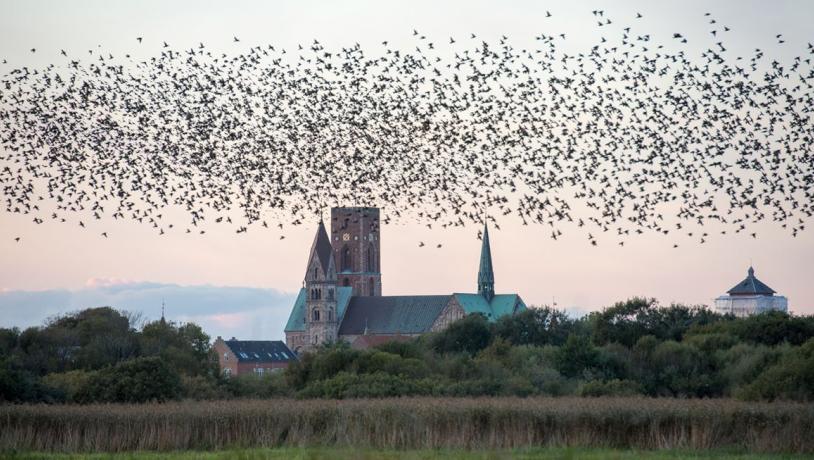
x=628, y=136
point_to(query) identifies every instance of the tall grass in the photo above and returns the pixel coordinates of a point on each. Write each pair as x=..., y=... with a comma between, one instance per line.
x=479, y=423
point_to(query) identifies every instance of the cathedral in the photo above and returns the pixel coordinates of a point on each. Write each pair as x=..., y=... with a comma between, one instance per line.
x=342, y=294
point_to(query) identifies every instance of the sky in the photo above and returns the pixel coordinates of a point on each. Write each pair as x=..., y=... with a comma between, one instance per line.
x=244, y=285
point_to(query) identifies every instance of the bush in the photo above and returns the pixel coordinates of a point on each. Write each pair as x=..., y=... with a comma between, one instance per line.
x=468, y=335
x=135, y=381
x=69, y=384
x=610, y=388
x=379, y=385
x=791, y=378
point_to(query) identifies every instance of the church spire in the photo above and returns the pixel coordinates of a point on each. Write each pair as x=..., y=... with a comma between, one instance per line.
x=486, y=277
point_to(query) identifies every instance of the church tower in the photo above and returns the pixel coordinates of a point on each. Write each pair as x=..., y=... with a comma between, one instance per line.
x=321, y=322
x=355, y=237
x=486, y=277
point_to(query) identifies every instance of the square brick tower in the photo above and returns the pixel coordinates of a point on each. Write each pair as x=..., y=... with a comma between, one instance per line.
x=355, y=237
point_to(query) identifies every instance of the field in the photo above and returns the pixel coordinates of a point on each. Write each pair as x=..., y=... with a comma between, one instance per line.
x=368, y=454
x=417, y=424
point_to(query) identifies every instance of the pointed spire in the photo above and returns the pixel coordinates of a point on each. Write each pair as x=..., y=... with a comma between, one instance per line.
x=162, y=312
x=321, y=248
x=486, y=276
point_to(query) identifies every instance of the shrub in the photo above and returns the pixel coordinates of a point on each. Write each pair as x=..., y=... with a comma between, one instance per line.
x=135, y=381
x=379, y=385
x=468, y=335
x=610, y=388
x=791, y=378
x=69, y=384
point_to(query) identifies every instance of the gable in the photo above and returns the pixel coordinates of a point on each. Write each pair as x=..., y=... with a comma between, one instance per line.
x=296, y=320
x=501, y=305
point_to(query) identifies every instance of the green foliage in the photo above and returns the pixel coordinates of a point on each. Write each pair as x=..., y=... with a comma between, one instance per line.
x=270, y=385
x=577, y=356
x=69, y=384
x=378, y=385
x=770, y=328
x=634, y=347
x=19, y=385
x=791, y=378
x=468, y=335
x=536, y=326
x=134, y=381
x=626, y=322
x=610, y=388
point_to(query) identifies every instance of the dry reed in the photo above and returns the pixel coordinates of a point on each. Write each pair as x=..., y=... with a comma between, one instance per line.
x=409, y=423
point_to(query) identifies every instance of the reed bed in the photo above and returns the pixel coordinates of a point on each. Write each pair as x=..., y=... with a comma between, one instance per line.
x=412, y=423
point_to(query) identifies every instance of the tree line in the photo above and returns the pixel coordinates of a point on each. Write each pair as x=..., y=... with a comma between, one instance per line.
x=635, y=347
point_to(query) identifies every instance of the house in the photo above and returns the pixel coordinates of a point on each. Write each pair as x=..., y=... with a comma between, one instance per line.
x=239, y=357
x=749, y=297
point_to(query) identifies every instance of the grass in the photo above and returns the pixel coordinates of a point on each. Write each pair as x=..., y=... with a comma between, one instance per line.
x=479, y=424
x=368, y=454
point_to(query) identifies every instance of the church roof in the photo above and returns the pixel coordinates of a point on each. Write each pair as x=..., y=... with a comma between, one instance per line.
x=322, y=246
x=751, y=286
x=408, y=314
x=296, y=321
x=501, y=304
x=260, y=351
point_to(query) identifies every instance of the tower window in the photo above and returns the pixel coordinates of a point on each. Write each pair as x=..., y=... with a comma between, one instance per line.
x=371, y=259
x=372, y=285
x=346, y=258
x=315, y=315
x=330, y=293
x=315, y=273
x=346, y=282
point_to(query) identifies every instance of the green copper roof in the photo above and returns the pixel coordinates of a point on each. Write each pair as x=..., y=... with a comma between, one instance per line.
x=501, y=304
x=486, y=275
x=296, y=321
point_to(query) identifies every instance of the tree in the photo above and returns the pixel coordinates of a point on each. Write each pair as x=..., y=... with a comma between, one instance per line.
x=134, y=381
x=470, y=334
x=535, y=326
x=576, y=356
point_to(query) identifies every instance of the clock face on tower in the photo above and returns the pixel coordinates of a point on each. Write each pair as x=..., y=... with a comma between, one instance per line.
x=345, y=237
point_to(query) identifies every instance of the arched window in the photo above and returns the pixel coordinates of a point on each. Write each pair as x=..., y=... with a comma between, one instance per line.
x=316, y=338
x=346, y=282
x=371, y=259
x=346, y=258
x=330, y=314
x=372, y=285
x=315, y=273
x=315, y=315
x=330, y=293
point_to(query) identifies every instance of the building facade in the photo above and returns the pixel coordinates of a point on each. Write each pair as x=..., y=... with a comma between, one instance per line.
x=239, y=357
x=342, y=294
x=750, y=296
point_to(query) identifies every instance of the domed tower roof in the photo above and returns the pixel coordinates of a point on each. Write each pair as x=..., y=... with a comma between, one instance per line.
x=751, y=286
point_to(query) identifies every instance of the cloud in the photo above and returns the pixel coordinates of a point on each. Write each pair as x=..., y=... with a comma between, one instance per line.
x=245, y=312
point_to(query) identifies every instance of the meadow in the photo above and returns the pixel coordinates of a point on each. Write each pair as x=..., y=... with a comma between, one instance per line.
x=480, y=424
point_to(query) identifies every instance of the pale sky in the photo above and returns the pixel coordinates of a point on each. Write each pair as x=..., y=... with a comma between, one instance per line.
x=243, y=285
